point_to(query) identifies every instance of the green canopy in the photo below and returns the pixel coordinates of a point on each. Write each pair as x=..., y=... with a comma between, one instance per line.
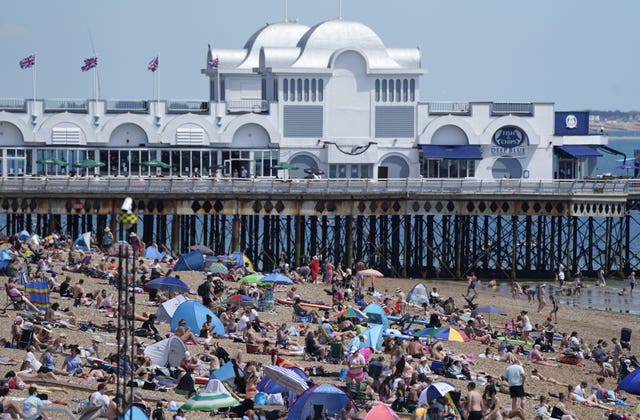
x=89, y=164
x=156, y=164
x=252, y=278
x=285, y=165
x=52, y=161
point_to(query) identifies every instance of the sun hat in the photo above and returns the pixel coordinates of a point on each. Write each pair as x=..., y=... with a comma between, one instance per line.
x=354, y=349
x=107, y=229
x=133, y=234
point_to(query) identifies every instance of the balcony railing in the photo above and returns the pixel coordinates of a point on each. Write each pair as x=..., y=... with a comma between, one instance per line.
x=506, y=108
x=13, y=105
x=444, y=108
x=121, y=106
x=65, y=105
x=184, y=107
x=256, y=106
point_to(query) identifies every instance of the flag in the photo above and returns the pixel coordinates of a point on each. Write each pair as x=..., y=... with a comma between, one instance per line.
x=89, y=63
x=213, y=63
x=28, y=62
x=153, y=64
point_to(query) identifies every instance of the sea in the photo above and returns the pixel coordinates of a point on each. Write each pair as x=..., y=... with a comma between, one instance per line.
x=626, y=142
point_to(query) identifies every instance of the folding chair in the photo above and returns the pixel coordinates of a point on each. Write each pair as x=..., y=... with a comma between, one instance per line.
x=16, y=302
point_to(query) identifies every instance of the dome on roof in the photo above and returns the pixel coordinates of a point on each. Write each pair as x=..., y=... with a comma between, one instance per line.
x=282, y=34
x=334, y=34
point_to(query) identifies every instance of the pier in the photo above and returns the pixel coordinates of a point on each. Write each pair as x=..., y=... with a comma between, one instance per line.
x=404, y=227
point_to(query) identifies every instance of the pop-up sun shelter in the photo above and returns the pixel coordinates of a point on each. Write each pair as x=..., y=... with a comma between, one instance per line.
x=153, y=254
x=372, y=337
x=5, y=259
x=195, y=313
x=83, y=243
x=193, y=260
x=168, y=308
x=631, y=382
x=167, y=352
x=418, y=294
x=376, y=315
x=324, y=398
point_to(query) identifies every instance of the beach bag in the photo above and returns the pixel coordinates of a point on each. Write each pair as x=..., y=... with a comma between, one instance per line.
x=203, y=289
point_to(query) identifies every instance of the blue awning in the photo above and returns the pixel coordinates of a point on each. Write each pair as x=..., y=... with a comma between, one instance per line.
x=459, y=152
x=579, y=151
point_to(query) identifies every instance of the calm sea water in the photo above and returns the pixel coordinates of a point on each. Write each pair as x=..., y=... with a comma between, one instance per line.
x=627, y=144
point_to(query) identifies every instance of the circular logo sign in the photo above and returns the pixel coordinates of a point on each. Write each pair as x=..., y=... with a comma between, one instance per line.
x=509, y=137
x=571, y=121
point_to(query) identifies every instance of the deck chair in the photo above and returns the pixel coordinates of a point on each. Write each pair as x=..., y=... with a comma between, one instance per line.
x=15, y=302
x=39, y=294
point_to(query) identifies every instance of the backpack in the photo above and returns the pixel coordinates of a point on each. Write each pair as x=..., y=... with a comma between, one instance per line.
x=203, y=289
x=158, y=414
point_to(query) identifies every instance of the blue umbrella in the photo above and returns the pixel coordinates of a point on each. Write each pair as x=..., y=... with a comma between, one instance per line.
x=489, y=309
x=276, y=278
x=171, y=284
x=270, y=386
x=435, y=390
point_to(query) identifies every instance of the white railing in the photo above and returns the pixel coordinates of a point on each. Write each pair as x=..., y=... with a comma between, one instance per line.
x=10, y=104
x=443, y=108
x=60, y=105
x=127, y=106
x=505, y=108
x=247, y=105
x=176, y=107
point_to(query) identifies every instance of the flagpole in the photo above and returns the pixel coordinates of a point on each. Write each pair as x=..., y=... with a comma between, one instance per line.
x=157, y=81
x=33, y=80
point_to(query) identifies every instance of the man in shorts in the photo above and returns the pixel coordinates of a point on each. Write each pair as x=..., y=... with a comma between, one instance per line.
x=514, y=375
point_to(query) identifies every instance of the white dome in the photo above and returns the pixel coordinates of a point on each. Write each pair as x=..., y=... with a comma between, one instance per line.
x=338, y=34
x=282, y=34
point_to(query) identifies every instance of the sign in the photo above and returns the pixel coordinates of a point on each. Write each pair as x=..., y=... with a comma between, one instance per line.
x=571, y=123
x=509, y=141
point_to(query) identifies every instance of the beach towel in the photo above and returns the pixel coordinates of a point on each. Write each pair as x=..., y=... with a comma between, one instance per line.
x=38, y=292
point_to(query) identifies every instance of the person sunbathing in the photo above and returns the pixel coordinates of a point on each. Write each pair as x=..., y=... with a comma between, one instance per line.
x=578, y=394
x=536, y=356
x=538, y=376
x=185, y=334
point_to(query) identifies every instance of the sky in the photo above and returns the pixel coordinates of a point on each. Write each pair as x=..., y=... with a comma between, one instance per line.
x=579, y=54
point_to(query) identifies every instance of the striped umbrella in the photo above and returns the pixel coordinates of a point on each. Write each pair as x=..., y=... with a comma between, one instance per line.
x=449, y=334
x=207, y=401
x=425, y=332
x=286, y=378
x=351, y=313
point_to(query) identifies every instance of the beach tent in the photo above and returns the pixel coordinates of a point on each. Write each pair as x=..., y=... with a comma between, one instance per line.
x=325, y=398
x=225, y=373
x=153, y=254
x=167, y=352
x=376, y=315
x=195, y=313
x=134, y=413
x=168, y=308
x=372, y=337
x=381, y=412
x=24, y=235
x=631, y=382
x=5, y=259
x=83, y=242
x=418, y=294
x=193, y=260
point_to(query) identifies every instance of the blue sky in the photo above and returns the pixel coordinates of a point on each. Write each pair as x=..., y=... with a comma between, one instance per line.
x=580, y=54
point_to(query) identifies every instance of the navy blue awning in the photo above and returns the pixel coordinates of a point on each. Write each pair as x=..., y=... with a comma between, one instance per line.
x=459, y=152
x=579, y=151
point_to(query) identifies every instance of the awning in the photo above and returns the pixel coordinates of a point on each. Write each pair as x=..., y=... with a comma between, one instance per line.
x=577, y=151
x=459, y=152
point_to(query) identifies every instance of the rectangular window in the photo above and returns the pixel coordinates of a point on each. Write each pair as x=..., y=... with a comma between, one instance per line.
x=306, y=90
x=377, y=90
x=285, y=90
x=313, y=90
x=320, y=90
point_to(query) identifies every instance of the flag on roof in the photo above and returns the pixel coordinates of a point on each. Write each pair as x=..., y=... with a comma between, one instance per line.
x=153, y=64
x=28, y=62
x=89, y=63
x=213, y=63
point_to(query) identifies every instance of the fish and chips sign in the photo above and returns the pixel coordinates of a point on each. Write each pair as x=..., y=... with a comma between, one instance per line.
x=509, y=141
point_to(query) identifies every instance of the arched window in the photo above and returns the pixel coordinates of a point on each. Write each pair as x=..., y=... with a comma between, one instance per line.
x=413, y=90
x=405, y=90
x=285, y=90
x=313, y=90
x=321, y=90
x=299, y=89
x=398, y=90
x=377, y=90
x=306, y=90
x=384, y=90
x=391, y=91
x=292, y=88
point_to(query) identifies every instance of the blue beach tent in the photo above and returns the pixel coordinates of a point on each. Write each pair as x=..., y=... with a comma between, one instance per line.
x=372, y=337
x=195, y=313
x=225, y=373
x=135, y=413
x=331, y=398
x=191, y=261
x=83, y=243
x=153, y=254
x=376, y=315
x=631, y=382
x=5, y=259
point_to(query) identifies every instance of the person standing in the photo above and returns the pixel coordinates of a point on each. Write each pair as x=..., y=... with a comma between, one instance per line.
x=553, y=314
x=473, y=405
x=315, y=268
x=515, y=377
x=632, y=282
x=561, y=274
x=107, y=240
x=527, y=327
x=355, y=366
x=541, y=295
x=472, y=280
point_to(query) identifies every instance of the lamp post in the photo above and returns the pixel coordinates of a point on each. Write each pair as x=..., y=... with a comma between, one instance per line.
x=126, y=310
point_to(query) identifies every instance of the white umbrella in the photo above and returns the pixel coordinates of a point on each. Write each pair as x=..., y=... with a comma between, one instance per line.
x=286, y=378
x=435, y=390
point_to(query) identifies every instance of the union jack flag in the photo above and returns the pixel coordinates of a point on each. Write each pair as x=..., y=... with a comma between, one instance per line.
x=28, y=62
x=89, y=63
x=213, y=63
x=153, y=64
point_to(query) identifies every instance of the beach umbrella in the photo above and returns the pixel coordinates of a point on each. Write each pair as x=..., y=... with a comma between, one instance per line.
x=276, y=278
x=425, y=332
x=270, y=386
x=218, y=268
x=171, y=284
x=156, y=164
x=449, y=334
x=381, y=412
x=52, y=161
x=207, y=401
x=435, y=390
x=489, y=309
x=314, y=171
x=239, y=299
x=370, y=272
x=251, y=278
x=202, y=248
x=89, y=164
x=351, y=313
x=286, y=378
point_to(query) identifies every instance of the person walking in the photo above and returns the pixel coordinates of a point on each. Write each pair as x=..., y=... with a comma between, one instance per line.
x=515, y=377
x=473, y=404
x=541, y=295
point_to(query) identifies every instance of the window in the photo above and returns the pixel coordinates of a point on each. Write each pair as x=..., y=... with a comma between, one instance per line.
x=398, y=90
x=313, y=90
x=405, y=90
x=391, y=91
x=292, y=90
x=412, y=97
x=384, y=90
x=285, y=90
x=306, y=90
x=448, y=168
x=299, y=89
x=320, y=90
x=377, y=90
x=275, y=89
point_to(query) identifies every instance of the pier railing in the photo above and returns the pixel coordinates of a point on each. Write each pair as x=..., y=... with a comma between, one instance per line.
x=205, y=186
